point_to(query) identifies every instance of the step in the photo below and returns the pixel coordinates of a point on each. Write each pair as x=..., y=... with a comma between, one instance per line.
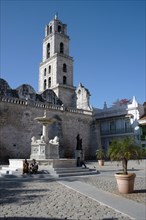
x=63, y=170
x=44, y=173
x=77, y=174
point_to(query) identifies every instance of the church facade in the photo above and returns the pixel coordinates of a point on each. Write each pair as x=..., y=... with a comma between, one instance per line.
x=68, y=105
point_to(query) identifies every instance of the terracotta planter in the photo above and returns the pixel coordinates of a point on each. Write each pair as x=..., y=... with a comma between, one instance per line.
x=101, y=162
x=125, y=182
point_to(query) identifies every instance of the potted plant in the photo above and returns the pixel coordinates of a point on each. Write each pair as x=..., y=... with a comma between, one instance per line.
x=100, y=154
x=124, y=150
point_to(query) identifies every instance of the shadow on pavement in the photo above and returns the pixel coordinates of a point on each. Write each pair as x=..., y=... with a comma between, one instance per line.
x=140, y=191
x=43, y=218
x=110, y=219
x=31, y=218
x=11, y=191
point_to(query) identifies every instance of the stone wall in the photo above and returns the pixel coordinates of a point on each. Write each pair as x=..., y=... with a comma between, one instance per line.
x=17, y=126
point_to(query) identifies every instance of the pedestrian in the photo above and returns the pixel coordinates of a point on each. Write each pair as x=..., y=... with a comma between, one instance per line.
x=25, y=166
x=34, y=166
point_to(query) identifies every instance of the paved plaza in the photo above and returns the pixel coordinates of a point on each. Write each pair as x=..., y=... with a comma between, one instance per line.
x=87, y=197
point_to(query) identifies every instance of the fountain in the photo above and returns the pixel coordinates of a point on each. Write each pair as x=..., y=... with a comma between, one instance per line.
x=44, y=148
x=45, y=151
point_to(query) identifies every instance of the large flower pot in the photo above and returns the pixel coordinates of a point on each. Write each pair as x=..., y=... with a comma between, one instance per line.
x=101, y=162
x=125, y=182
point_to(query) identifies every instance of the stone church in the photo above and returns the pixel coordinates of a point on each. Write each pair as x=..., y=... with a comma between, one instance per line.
x=68, y=105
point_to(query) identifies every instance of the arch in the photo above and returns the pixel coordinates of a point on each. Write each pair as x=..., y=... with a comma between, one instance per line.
x=61, y=47
x=59, y=28
x=45, y=72
x=48, y=50
x=49, y=68
x=50, y=29
x=64, y=80
x=49, y=82
x=64, y=68
x=45, y=84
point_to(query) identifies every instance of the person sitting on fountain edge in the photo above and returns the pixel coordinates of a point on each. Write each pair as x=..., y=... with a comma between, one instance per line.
x=33, y=166
x=25, y=166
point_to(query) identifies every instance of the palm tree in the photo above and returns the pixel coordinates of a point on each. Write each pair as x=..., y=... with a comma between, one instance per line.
x=124, y=150
x=100, y=154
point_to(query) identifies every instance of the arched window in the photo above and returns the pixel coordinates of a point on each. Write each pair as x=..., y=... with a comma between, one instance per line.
x=49, y=82
x=61, y=47
x=45, y=72
x=79, y=92
x=48, y=50
x=49, y=68
x=64, y=80
x=64, y=68
x=50, y=29
x=45, y=84
x=59, y=28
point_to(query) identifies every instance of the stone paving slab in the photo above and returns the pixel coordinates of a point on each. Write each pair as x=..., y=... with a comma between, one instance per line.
x=107, y=182
x=34, y=197
x=48, y=199
x=130, y=208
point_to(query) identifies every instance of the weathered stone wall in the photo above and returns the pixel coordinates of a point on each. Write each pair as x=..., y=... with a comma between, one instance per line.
x=17, y=126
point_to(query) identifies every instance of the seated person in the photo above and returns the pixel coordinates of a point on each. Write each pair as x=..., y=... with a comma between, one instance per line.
x=80, y=162
x=25, y=166
x=34, y=166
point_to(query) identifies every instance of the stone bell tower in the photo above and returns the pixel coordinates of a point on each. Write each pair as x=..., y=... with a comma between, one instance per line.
x=56, y=68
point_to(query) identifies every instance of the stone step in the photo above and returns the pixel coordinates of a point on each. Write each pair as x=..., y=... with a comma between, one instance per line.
x=77, y=174
x=71, y=170
x=75, y=171
x=45, y=173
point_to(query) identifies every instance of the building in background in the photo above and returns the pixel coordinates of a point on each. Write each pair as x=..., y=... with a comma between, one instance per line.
x=68, y=105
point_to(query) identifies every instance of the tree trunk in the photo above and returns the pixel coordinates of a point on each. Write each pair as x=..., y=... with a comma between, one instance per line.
x=124, y=163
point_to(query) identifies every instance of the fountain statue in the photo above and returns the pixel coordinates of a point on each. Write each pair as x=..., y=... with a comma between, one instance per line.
x=44, y=148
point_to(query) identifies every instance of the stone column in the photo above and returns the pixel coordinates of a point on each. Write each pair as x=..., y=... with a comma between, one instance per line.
x=45, y=132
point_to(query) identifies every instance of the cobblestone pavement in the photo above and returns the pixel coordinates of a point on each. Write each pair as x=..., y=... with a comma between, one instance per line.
x=47, y=199
x=107, y=182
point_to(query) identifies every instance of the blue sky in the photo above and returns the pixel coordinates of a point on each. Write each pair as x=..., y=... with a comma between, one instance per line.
x=107, y=44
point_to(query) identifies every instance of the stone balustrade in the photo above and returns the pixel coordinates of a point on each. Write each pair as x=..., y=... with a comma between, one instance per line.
x=45, y=105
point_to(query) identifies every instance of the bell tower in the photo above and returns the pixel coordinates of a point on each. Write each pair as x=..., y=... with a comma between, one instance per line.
x=56, y=68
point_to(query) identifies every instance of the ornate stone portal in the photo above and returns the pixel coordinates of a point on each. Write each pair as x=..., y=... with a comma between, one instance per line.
x=44, y=148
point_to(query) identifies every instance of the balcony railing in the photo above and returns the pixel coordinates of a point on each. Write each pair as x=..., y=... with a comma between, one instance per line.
x=143, y=137
x=117, y=131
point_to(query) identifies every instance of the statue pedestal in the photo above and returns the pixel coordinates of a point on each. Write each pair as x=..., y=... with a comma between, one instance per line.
x=38, y=151
x=79, y=153
x=52, y=151
x=79, y=157
x=42, y=150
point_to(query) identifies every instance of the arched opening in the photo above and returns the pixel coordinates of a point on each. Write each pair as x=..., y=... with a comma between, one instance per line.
x=64, y=80
x=49, y=82
x=59, y=28
x=50, y=29
x=45, y=72
x=49, y=68
x=64, y=68
x=61, y=47
x=48, y=50
x=45, y=83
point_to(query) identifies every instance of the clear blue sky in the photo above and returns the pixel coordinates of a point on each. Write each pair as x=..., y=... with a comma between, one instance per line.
x=107, y=44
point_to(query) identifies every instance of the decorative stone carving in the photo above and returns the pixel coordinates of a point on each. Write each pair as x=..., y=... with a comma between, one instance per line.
x=54, y=141
x=42, y=148
x=33, y=139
